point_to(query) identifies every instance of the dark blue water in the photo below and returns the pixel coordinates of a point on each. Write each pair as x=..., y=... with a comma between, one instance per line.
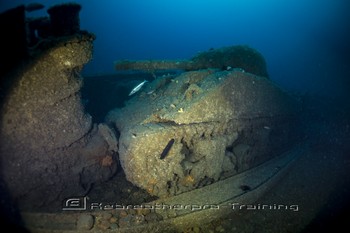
x=305, y=42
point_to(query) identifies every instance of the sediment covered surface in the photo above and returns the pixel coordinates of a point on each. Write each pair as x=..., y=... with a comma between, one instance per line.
x=182, y=133
x=48, y=145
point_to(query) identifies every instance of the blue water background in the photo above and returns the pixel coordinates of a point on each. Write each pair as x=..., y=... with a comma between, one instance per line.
x=305, y=42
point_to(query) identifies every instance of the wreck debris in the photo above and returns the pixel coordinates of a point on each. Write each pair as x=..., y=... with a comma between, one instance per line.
x=221, y=129
x=225, y=58
x=49, y=147
x=65, y=19
x=167, y=148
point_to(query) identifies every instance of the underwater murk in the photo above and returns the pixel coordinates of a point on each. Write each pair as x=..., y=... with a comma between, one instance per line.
x=174, y=116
